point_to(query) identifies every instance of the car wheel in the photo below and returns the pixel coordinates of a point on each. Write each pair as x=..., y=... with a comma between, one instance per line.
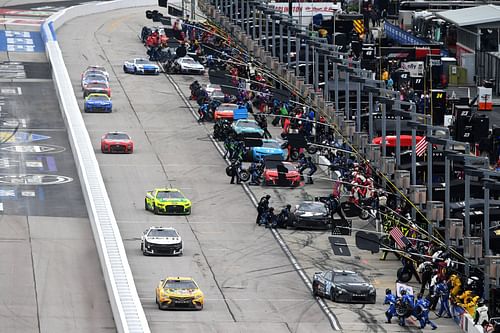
x=244, y=175
x=162, y=306
x=124, y=68
x=146, y=207
x=364, y=214
x=201, y=307
x=155, y=210
x=142, y=247
x=332, y=295
x=315, y=290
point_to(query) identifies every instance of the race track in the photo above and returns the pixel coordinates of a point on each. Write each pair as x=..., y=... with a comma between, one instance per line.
x=249, y=283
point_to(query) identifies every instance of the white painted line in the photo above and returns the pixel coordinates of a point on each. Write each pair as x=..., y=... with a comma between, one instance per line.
x=19, y=91
x=326, y=310
x=1, y=206
x=28, y=194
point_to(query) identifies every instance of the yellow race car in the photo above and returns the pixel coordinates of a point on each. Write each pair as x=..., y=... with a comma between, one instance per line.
x=179, y=292
x=167, y=201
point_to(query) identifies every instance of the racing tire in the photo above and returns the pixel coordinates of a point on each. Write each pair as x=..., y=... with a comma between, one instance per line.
x=404, y=275
x=201, y=307
x=146, y=204
x=162, y=306
x=155, y=210
x=125, y=69
x=294, y=155
x=312, y=149
x=364, y=214
x=332, y=295
x=244, y=175
x=228, y=171
x=315, y=290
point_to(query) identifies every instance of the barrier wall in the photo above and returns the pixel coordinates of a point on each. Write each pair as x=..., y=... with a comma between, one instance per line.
x=125, y=303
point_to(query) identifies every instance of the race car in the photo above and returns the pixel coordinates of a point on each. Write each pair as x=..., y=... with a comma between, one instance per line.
x=159, y=240
x=188, y=65
x=217, y=95
x=269, y=148
x=225, y=111
x=117, y=142
x=247, y=128
x=98, y=103
x=271, y=175
x=97, y=88
x=311, y=215
x=179, y=292
x=95, y=69
x=167, y=201
x=94, y=77
x=346, y=286
x=141, y=66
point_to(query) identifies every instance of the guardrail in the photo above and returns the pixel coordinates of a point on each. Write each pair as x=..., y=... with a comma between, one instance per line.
x=125, y=303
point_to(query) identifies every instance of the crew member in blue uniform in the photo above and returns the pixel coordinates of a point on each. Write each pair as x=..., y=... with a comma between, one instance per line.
x=443, y=293
x=390, y=299
x=421, y=312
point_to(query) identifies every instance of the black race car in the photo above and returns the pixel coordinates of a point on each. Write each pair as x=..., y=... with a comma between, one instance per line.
x=343, y=286
x=311, y=215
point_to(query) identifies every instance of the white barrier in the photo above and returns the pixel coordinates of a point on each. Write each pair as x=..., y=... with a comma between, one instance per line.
x=125, y=303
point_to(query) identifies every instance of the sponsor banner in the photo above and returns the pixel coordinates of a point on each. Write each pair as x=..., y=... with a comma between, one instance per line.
x=21, y=41
x=402, y=37
x=416, y=68
x=34, y=179
x=308, y=9
x=402, y=286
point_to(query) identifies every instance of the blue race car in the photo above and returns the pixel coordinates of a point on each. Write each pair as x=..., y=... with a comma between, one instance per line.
x=246, y=128
x=269, y=148
x=141, y=66
x=98, y=103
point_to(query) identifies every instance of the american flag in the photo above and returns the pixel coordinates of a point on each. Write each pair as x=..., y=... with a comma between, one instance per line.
x=421, y=146
x=399, y=238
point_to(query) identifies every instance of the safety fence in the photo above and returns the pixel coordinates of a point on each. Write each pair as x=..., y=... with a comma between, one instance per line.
x=125, y=303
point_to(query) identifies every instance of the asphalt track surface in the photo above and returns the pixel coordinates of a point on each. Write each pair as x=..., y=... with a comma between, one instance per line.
x=50, y=276
x=250, y=284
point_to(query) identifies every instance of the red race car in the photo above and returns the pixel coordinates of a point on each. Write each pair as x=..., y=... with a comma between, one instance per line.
x=117, y=142
x=289, y=174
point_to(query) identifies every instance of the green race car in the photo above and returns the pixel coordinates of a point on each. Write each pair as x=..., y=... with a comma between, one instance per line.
x=167, y=201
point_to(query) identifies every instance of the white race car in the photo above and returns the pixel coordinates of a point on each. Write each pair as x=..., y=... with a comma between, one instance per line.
x=161, y=241
x=141, y=66
x=96, y=69
x=188, y=65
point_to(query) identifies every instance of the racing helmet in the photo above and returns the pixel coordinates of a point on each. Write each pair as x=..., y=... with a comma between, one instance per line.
x=388, y=291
